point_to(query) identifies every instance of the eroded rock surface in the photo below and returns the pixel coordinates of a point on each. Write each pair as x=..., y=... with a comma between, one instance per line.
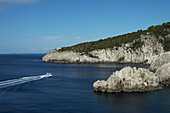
x=164, y=74
x=125, y=53
x=161, y=59
x=68, y=57
x=129, y=80
x=138, y=80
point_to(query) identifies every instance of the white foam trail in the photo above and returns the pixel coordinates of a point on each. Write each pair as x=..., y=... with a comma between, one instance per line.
x=22, y=80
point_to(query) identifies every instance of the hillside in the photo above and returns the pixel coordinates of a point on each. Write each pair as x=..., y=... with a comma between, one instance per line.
x=140, y=45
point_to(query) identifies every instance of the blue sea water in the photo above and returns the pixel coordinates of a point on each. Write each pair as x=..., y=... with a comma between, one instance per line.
x=70, y=89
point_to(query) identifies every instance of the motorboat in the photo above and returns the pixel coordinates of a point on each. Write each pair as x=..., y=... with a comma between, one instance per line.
x=46, y=75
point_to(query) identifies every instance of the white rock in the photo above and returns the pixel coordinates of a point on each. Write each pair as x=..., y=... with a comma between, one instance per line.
x=159, y=61
x=164, y=74
x=129, y=80
x=150, y=48
x=102, y=85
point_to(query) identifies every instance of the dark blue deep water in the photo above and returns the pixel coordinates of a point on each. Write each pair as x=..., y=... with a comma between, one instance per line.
x=70, y=89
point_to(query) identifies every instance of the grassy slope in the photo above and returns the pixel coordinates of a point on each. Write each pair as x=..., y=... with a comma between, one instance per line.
x=117, y=41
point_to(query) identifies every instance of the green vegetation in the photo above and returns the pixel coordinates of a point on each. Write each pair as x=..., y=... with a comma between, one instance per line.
x=117, y=41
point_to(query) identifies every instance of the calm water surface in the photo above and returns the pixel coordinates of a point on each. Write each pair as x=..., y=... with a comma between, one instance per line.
x=70, y=89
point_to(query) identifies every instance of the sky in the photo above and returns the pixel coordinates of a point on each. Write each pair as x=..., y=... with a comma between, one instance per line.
x=39, y=26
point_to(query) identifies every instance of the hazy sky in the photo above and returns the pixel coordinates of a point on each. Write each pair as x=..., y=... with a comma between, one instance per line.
x=38, y=26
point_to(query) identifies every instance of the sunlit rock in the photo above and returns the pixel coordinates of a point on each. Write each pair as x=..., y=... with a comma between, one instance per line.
x=159, y=61
x=164, y=74
x=129, y=80
x=125, y=53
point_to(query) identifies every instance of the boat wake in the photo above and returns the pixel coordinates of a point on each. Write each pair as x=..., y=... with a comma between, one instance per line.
x=22, y=80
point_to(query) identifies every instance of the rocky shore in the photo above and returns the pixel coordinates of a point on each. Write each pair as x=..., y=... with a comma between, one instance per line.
x=125, y=53
x=138, y=80
x=149, y=46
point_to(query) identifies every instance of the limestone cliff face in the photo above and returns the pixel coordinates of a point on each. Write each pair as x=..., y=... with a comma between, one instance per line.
x=159, y=60
x=164, y=74
x=129, y=80
x=125, y=53
x=138, y=80
x=68, y=57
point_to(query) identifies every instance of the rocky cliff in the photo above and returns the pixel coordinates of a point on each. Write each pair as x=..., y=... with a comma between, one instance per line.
x=138, y=80
x=136, y=47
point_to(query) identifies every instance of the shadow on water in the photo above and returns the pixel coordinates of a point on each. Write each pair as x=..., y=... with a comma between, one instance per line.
x=135, y=102
x=123, y=102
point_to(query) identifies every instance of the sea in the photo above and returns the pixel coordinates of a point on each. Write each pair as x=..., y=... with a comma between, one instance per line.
x=70, y=89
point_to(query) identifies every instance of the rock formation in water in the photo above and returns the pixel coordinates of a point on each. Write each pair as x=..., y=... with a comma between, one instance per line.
x=138, y=80
x=136, y=47
x=129, y=80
